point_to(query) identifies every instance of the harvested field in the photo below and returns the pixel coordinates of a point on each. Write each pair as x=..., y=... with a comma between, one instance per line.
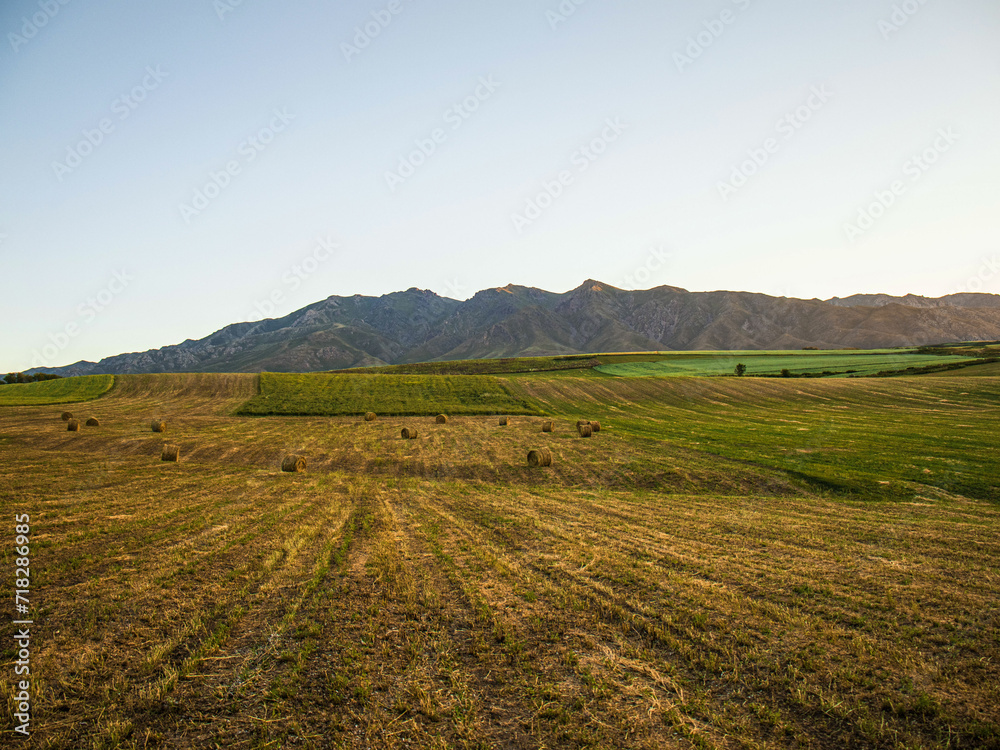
x=653, y=588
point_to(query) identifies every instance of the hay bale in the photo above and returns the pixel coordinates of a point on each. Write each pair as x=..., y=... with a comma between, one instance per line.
x=546, y=426
x=540, y=457
x=293, y=463
x=409, y=433
x=582, y=422
x=66, y=416
x=158, y=425
x=93, y=422
x=595, y=426
x=585, y=430
x=171, y=453
x=503, y=421
x=441, y=419
x=73, y=425
x=370, y=416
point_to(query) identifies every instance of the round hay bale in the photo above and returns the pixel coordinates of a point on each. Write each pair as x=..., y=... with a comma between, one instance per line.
x=158, y=425
x=370, y=416
x=595, y=426
x=540, y=457
x=441, y=419
x=546, y=426
x=73, y=425
x=171, y=453
x=66, y=416
x=581, y=423
x=503, y=421
x=585, y=430
x=409, y=433
x=93, y=422
x=293, y=463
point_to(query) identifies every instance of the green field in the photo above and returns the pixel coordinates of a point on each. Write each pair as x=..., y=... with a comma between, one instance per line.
x=331, y=395
x=760, y=363
x=884, y=438
x=61, y=391
x=797, y=363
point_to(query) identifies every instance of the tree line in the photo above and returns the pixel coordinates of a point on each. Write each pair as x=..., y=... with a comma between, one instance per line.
x=20, y=377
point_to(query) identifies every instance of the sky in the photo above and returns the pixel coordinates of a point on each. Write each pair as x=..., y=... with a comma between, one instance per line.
x=169, y=168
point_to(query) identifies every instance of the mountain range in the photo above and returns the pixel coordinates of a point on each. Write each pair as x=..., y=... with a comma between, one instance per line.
x=418, y=325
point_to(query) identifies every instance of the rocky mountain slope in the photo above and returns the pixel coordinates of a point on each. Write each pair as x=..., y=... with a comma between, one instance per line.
x=418, y=325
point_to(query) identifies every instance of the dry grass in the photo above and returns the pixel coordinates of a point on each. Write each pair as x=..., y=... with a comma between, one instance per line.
x=441, y=593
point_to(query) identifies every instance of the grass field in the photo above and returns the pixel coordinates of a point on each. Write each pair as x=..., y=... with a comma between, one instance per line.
x=332, y=395
x=797, y=363
x=803, y=362
x=989, y=370
x=719, y=567
x=62, y=391
x=897, y=437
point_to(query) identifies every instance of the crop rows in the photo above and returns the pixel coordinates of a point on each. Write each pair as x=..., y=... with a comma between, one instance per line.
x=649, y=590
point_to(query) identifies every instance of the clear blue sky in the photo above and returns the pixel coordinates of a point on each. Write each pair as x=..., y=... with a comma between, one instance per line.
x=700, y=180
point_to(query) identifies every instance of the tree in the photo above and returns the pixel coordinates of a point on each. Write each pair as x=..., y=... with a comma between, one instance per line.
x=741, y=370
x=786, y=373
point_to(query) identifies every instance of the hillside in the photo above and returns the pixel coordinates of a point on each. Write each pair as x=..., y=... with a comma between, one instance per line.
x=513, y=321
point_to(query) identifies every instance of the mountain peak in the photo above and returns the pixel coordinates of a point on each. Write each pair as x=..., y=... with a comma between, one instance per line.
x=592, y=285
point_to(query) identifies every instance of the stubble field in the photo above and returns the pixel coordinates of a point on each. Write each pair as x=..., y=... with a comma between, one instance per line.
x=725, y=564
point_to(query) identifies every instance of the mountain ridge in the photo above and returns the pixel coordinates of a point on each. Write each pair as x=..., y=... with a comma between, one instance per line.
x=418, y=325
